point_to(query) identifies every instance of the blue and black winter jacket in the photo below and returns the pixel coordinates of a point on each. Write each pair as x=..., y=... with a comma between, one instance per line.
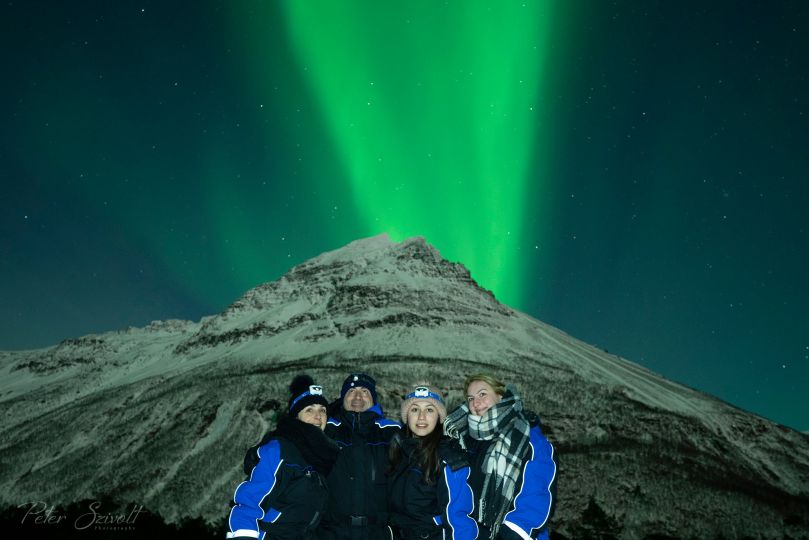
x=535, y=497
x=357, y=482
x=432, y=511
x=283, y=497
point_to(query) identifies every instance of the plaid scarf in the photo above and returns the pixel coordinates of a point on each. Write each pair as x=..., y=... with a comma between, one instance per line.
x=506, y=425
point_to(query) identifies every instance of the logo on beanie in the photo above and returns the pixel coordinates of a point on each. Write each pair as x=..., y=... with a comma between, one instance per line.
x=314, y=390
x=423, y=392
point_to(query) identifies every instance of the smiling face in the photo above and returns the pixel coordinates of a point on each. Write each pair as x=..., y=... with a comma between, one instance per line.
x=358, y=399
x=314, y=414
x=422, y=417
x=480, y=397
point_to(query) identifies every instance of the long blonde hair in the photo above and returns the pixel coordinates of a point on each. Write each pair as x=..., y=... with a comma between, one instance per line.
x=497, y=385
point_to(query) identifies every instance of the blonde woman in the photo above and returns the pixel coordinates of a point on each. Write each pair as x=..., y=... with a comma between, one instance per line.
x=513, y=472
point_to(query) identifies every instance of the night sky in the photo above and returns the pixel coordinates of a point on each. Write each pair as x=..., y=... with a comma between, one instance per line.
x=634, y=173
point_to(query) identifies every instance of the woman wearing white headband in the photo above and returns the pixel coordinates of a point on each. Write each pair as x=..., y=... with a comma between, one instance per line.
x=429, y=497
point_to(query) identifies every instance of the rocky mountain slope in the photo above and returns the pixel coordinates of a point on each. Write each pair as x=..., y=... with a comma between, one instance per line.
x=162, y=415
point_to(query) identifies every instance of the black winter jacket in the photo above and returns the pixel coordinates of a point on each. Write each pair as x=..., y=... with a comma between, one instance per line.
x=535, y=500
x=357, y=508
x=432, y=511
x=283, y=498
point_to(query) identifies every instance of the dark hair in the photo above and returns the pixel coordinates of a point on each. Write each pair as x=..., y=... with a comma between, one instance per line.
x=426, y=454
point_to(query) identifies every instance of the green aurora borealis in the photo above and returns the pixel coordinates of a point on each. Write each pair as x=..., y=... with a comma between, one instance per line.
x=634, y=174
x=434, y=113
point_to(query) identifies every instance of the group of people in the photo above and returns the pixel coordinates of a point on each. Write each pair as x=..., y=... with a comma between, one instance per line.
x=342, y=471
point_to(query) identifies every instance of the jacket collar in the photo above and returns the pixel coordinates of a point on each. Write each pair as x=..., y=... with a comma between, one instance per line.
x=363, y=419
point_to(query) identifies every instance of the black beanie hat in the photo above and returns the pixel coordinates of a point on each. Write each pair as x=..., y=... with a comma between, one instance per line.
x=359, y=379
x=303, y=392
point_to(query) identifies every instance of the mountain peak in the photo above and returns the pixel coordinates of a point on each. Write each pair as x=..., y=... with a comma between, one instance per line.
x=362, y=247
x=371, y=263
x=371, y=249
x=370, y=282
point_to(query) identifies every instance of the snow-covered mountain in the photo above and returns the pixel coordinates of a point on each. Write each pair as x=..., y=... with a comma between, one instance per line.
x=162, y=415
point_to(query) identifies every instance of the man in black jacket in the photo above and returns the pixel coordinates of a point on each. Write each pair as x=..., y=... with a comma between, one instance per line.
x=358, y=507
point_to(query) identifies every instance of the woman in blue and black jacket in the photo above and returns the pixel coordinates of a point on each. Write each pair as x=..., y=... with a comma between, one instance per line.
x=429, y=497
x=285, y=493
x=513, y=464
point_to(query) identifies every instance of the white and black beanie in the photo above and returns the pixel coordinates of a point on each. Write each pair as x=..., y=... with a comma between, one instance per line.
x=303, y=392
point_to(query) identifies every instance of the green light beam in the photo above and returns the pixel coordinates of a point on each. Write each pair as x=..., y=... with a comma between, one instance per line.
x=433, y=110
